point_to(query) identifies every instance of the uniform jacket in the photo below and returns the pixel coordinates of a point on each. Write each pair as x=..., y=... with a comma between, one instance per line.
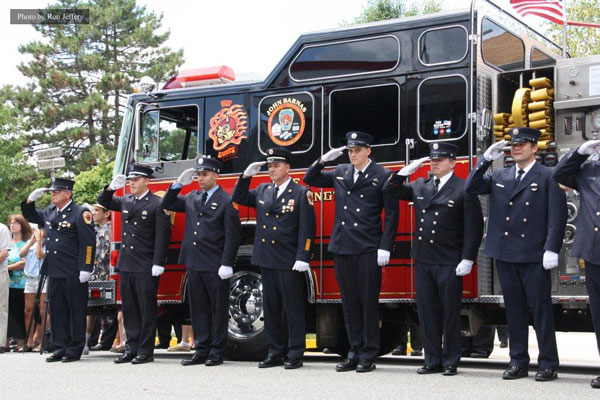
x=145, y=230
x=285, y=229
x=212, y=231
x=524, y=220
x=357, y=226
x=585, y=178
x=70, y=238
x=449, y=224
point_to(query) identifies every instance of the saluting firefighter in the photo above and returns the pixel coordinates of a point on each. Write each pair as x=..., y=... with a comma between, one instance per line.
x=446, y=240
x=528, y=213
x=359, y=246
x=210, y=242
x=70, y=247
x=285, y=229
x=573, y=171
x=145, y=237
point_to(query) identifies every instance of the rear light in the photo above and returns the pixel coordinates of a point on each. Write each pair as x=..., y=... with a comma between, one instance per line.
x=114, y=256
x=95, y=293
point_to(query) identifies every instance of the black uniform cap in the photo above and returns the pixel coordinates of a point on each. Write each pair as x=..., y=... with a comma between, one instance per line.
x=139, y=170
x=442, y=150
x=522, y=135
x=356, y=138
x=206, y=163
x=278, y=154
x=61, y=184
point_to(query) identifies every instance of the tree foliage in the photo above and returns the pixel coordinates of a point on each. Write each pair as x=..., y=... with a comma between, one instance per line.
x=580, y=41
x=379, y=10
x=90, y=183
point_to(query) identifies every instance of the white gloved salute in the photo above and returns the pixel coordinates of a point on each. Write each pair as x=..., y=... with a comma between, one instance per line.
x=495, y=151
x=300, y=266
x=550, y=259
x=157, y=270
x=225, y=272
x=118, y=182
x=186, y=177
x=412, y=167
x=84, y=276
x=333, y=154
x=383, y=257
x=588, y=147
x=254, y=168
x=464, y=267
x=36, y=194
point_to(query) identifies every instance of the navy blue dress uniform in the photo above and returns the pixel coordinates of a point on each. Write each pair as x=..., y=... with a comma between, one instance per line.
x=211, y=239
x=449, y=228
x=526, y=219
x=573, y=171
x=356, y=237
x=70, y=248
x=145, y=237
x=285, y=230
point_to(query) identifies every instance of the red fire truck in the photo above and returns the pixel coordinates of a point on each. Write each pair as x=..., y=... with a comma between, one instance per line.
x=464, y=77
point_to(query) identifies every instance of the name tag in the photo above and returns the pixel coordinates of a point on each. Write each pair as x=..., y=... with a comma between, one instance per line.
x=499, y=185
x=339, y=178
x=419, y=198
x=126, y=211
x=261, y=202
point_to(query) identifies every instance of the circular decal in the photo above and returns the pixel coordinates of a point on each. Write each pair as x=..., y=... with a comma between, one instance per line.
x=286, y=123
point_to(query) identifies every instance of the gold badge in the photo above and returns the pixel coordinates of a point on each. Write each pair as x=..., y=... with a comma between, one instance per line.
x=144, y=214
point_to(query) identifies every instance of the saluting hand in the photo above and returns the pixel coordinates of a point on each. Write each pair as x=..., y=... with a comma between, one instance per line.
x=300, y=266
x=118, y=182
x=186, y=176
x=464, y=267
x=253, y=168
x=333, y=154
x=412, y=167
x=36, y=194
x=495, y=151
x=588, y=147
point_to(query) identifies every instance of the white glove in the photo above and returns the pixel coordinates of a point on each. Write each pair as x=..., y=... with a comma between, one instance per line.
x=84, y=276
x=464, y=267
x=588, y=147
x=550, y=259
x=157, y=270
x=495, y=151
x=300, y=266
x=36, y=194
x=383, y=257
x=333, y=154
x=186, y=176
x=225, y=272
x=118, y=182
x=253, y=168
x=412, y=167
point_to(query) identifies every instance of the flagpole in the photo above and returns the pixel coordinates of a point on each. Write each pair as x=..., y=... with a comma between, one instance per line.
x=565, y=28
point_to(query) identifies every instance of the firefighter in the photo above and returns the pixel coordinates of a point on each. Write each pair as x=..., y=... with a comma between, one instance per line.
x=209, y=248
x=528, y=213
x=449, y=228
x=145, y=236
x=70, y=248
x=574, y=172
x=359, y=246
x=285, y=228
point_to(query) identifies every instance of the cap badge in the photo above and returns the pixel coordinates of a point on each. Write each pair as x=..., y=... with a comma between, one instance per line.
x=436, y=146
x=200, y=161
x=270, y=152
x=354, y=136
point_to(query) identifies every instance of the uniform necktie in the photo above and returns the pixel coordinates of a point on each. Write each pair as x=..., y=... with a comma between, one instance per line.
x=358, y=176
x=436, y=185
x=275, y=191
x=204, y=197
x=519, y=176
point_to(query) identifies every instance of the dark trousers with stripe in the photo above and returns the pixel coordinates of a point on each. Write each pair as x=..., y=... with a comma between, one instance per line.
x=359, y=278
x=523, y=285
x=138, y=294
x=68, y=303
x=592, y=281
x=438, y=303
x=209, y=309
x=284, y=305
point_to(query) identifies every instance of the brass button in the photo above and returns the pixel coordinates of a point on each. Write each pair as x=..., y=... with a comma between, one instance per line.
x=420, y=229
x=195, y=233
x=420, y=238
x=526, y=203
x=264, y=240
x=505, y=233
x=433, y=232
x=54, y=251
x=274, y=228
x=435, y=222
x=524, y=219
x=194, y=243
x=264, y=227
x=348, y=192
x=508, y=218
x=436, y=213
x=345, y=207
x=431, y=241
x=124, y=233
x=510, y=203
x=598, y=213
x=272, y=242
x=197, y=223
x=266, y=214
x=596, y=229
x=358, y=210
x=131, y=247
x=56, y=240
x=343, y=223
x=522, y=235
x=424, y=211
x=355, y=224
x=361, y=196
x=422, y=220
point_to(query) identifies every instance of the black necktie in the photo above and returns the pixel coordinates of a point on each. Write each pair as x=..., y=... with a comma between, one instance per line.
x=519, y=176
x=204, y=197
x=436, y=185
x=359, y=175
x=275, y=191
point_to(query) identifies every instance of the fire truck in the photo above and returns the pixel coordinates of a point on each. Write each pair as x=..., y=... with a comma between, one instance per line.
x=465, y=77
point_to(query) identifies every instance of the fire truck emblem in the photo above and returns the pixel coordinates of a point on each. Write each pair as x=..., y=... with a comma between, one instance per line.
x=286, y=121
x=228, y=125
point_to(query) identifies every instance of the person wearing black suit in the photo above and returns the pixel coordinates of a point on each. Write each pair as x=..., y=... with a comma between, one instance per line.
x=146, y=233
x=528, y=215
x=210, y=242
x=285, y=230
x=70, y=247
x=449, y=228
x=573, y=171
x=358, y=243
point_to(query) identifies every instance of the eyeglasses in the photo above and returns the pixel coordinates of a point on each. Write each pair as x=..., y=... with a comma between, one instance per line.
x=13, y=223
x=56, y=191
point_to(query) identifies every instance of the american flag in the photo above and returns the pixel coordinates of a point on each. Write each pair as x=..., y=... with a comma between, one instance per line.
x=549, y=9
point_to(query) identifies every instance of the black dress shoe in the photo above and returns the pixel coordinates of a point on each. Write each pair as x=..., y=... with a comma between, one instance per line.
x=195, y=360
x=54, y=358
x=545, y=375
x=596, y=383
x=68, y=358
x=450, y=370
x=347, y=365
x=399, y=351
x=213, y=360
x=125, y=358
x=365, y=366
x=292, y=363
x=142, y=359
x=480, y=354
x=514, y=372
x=99, y=347
x=430, y=369
x=270, y=361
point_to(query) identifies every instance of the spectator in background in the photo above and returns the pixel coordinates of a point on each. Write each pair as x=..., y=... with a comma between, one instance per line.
x=4, y=248
x=33, y=253
x=21, y=232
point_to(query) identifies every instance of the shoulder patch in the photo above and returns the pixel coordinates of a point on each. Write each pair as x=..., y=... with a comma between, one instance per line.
x=87, y=217
x=310, y=197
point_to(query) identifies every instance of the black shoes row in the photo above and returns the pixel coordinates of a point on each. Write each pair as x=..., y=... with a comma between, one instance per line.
x=436, y=369
x=275, y=361
x=66, y=358
x=210, y=361
x=355, y=365
x=134, y=359
x=543, y=375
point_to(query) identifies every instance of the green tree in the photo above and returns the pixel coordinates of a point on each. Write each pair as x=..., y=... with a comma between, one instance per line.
x=81, y=74
x=379, y=10
x=581, y=41
x=90, y=183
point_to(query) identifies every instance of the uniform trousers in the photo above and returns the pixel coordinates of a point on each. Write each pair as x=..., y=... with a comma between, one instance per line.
x=138, y=294
x=592, y=279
